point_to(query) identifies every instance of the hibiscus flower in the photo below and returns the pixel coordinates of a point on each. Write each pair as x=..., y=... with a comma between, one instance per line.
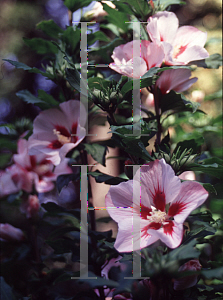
x=29, y=170
x=181, y=45
x=159, y=204
x=57, y=131
x=150, y=55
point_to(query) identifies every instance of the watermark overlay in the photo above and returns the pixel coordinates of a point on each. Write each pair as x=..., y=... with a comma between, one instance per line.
x=84, y=177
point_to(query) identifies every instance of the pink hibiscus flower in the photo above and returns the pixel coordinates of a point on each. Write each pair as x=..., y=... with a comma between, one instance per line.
x=181, y=45
x=176, y=79
x=57, y=131
x=29, y=170
x=161, y=205
x=151, y=55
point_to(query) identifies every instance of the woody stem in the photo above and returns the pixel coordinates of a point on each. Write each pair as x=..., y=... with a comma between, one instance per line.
x=157, y=110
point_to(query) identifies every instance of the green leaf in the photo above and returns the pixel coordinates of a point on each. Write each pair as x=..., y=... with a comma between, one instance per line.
x=99, y=282
x=163, y=4
x=177, y=102
x=209, y=187
x=47, y=98
x=128, y=86
x=28, y=97
x=74, y=5
x=6, y=290
x=61, y=232
x=46, y=102
x=73, y=77
x=105, y=52
x=50, y=28
x=190, y=144
x=214, y=61
x=97, y=36
x=98, y=152
x=41, y=46
x=111, y=27
x=98, y=83
x=146, y=80
x=210, y=166
x=116, y=17
x=140, y=8
x=5, y=159
x=63, y=180
x=214, y=273
x=107, y=179
x=7, y=143
x=54, y=209
x=135, y=144
x=61, y=246
x=23, y=66
x=185, y=251
x=71, y=37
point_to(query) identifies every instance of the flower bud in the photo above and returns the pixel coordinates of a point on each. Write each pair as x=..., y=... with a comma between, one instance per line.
x=197, y=96
x=10, y=233
x=188, y=175
x=187, y=281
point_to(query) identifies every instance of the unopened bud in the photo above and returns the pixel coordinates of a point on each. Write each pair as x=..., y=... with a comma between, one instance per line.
x=187, y=281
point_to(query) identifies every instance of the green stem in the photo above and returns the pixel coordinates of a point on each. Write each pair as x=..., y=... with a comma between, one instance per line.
x=159, y=127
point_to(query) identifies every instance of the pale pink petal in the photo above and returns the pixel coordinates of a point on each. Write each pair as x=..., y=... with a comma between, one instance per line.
x=134, y=64
x=191, y=196
x=7, y=186
x=10, y=233
x=163, y=26
x=42, y=186
x=170, y=234
x=161, y=184
x=187, y=175
x=57, y=131
x=139, y=67
x=154, y=55
x=118, y=54
x=185, y=85
x=128, y=49
x=191, y=54
x=168, y=51
x=65, y=149
x=63, y=168
x=22, y=158
x=190, y=36
x=45, y=122
x=22, y=178
x=74, y=111
x=127, y=234
x=119, y=200
x=175, y=79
